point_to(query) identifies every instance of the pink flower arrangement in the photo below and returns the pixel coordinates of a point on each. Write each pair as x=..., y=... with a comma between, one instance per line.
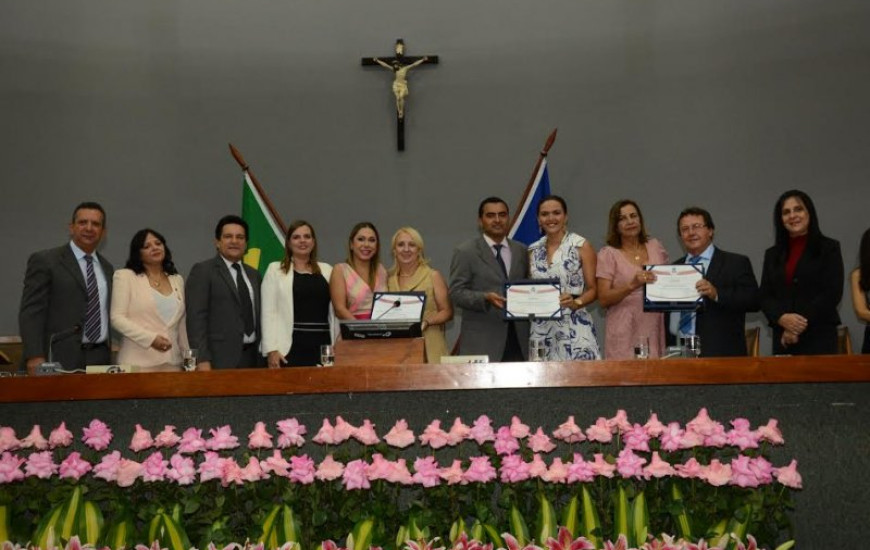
x=399, y=435
x=97, y=435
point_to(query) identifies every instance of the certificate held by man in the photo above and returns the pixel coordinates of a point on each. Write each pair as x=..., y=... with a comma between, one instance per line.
x=673, y=288
x=538, y=299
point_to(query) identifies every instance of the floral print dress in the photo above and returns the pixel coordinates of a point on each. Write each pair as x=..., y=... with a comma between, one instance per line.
x=573, y=336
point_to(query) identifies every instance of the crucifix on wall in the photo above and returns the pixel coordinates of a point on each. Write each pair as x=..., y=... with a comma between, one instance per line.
x=400, y=64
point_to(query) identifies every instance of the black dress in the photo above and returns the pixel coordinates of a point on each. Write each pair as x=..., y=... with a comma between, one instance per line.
x=310, y=319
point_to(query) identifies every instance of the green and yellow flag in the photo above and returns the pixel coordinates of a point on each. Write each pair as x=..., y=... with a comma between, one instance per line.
x=265, y=240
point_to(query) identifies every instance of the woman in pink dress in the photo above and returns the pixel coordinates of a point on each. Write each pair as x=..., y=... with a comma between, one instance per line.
x=620, y=278
x=352, y=284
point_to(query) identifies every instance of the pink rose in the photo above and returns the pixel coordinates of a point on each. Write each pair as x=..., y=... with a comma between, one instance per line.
x=702, y=423
x=41, y=465
x=343, y=430
x=260, y=438
x=691, y=439
x=10, y=467
x=191, y=441
x=601, y=467
x=128, y=472
x=513, y=469
x=619, y=423
x=108, y=467
x=557, y=472
x=718, y=438
x=35, y=440
x=481, y=431
x=636, y=438
x=8, y=441
x=329, y=469
x=569, y=431
x=657, y=468
x=231, y=473
x=458, y=433
x=600, y=431
x=580, y=471
x=253, y=471
x=742, y=473
x=540, y=442
x=742, y=436
x=789, y=475
x=141, y=439
x=690, y=470
x=366, y=434
x=379, y=468
x=399, y=473
x=672, y=437
x=154, y=467
x=453, y=474
x=97, y=435
x=770, y=433
x=182, y=471
x=399, y=435
x=276, y=464
x=221, y=438
x=518, y=429
x=60, y=437
x=629, y=464
x=538, y=468
x=302, y=469
x=716, y=474
x=73, y=467
x=354, y=476
x=762, y=469
x=426, y=472
x=480, y=470
x=211, y=467
x=434, y=436
x=291, y=433
x=653, y=426
x=505, y=443
x=167, y=438
x=326, y=434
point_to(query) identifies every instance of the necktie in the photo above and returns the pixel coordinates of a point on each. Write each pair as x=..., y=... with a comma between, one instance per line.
x=499, y=259
x=93, y=323
x=245, y=300
x=687, y=318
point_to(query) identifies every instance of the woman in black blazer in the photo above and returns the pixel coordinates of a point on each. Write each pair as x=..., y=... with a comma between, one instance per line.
x=802, y=280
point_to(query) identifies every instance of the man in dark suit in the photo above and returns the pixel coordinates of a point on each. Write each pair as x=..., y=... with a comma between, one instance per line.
x=478, y=272
x=223, y=303
x=66, y=294
x=729, y=289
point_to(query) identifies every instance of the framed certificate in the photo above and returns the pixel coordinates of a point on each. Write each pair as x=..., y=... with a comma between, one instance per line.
x=398, y=306
x=539, y=297
x=674, y=288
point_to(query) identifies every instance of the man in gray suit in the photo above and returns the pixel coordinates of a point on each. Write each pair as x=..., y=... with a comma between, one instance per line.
x=66, y=295
x=478, y=272
x=223, y=303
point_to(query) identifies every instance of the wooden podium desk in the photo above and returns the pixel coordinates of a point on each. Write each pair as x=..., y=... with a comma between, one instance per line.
x=822, y=403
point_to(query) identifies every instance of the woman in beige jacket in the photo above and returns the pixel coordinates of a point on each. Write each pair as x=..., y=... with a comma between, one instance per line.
x=148, y=306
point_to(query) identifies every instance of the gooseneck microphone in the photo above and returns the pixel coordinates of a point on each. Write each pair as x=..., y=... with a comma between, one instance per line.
x=50, y=367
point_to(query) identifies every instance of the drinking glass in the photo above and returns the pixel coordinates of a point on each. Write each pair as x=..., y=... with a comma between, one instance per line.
x=327, y=355
x=188, y=359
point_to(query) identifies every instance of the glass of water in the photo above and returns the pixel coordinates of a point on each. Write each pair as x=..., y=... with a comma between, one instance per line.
x=537, y=351
x=692, y=346
x=327, y=355
x=188, y=359
x=641, y=348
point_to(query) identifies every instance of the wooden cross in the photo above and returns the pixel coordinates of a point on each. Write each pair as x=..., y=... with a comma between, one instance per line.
x=400, y=64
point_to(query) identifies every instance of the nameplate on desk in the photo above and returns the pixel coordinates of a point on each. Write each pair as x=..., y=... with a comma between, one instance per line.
x=109, y=369
x=464, y=359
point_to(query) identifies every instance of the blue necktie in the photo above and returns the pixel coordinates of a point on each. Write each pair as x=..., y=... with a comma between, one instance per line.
x=687, y=318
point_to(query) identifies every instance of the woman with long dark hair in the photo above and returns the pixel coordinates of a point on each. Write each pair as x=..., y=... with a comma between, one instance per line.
x=802, y=280
x=148, y=306
x=860, y=280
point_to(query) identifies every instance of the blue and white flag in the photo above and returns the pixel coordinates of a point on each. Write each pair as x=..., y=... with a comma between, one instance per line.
x=525, y=227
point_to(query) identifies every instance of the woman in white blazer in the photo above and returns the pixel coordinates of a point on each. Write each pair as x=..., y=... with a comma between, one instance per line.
x=297, y=316
x=148, y=306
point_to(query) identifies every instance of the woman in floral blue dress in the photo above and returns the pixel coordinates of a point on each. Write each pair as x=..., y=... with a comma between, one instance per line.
x=569, y=258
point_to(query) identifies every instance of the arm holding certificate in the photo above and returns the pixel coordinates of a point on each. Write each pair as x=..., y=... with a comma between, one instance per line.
x=673, y=287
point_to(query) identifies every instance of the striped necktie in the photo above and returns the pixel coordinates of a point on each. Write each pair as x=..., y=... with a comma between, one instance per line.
x=93, y=322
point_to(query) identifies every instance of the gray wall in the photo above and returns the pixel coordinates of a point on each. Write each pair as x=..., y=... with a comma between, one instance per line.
x=723, y=104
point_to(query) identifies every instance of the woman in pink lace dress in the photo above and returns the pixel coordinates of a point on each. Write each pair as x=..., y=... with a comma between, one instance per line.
x=621, y=277
x=352, y=284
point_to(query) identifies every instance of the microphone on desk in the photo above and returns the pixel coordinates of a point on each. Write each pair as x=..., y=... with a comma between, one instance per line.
x=50, y=367
x=396, y=304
